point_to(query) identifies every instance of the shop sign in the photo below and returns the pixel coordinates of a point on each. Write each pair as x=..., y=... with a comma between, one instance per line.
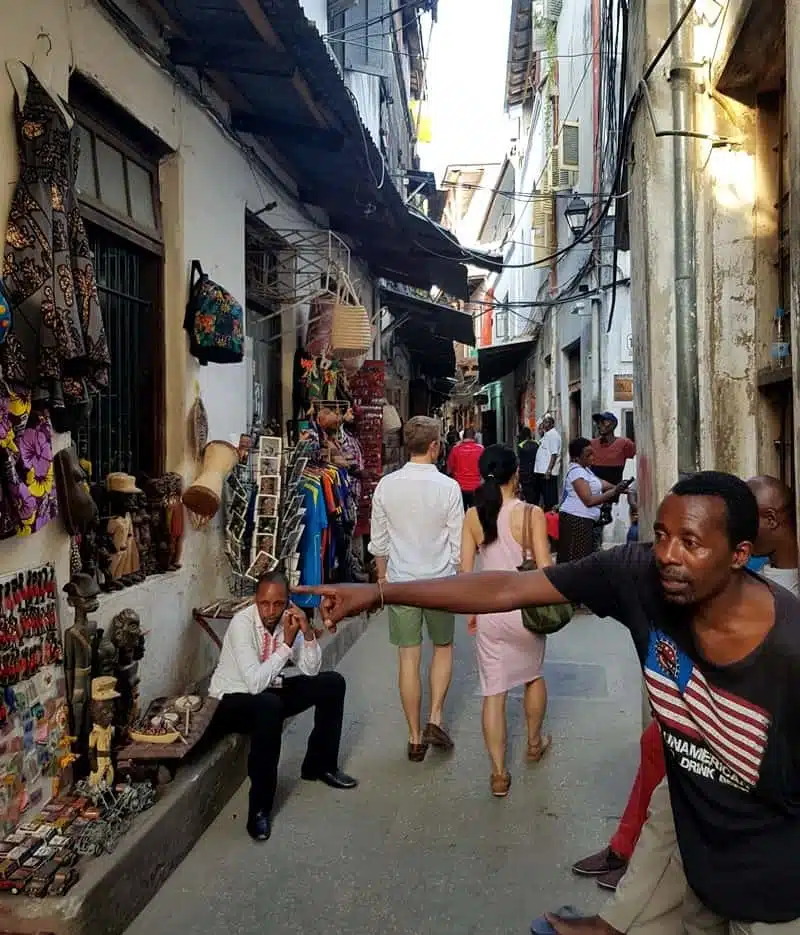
x=623, y=388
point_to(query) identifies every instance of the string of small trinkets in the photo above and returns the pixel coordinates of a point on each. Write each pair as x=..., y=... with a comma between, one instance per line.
x=29, y=634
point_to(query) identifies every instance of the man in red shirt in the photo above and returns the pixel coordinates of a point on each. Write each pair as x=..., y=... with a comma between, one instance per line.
x=610, y=455
x=610, y=452
x=462, y=465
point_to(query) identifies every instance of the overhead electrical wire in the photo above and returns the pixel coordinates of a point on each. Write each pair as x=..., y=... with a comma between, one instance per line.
x=375, y=20
x=625, y=131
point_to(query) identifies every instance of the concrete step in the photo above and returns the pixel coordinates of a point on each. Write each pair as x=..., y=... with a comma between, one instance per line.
x=114, y=888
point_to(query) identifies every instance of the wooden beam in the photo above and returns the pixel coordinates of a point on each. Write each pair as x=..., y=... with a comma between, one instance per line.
x=276, y=127
x=246, y=58
x=252, y=9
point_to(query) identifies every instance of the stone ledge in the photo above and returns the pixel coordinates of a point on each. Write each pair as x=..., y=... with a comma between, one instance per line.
x=114, y=888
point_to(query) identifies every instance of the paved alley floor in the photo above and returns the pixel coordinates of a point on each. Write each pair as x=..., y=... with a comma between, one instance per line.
x=424, y=848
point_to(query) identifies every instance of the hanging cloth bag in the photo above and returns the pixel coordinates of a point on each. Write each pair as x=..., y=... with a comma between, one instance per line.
x=214, y=320
x=548, y=618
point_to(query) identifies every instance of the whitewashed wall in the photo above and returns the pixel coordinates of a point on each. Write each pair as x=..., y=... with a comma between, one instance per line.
x=206, y=186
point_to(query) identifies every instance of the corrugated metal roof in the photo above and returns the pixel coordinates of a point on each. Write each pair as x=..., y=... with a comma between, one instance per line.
x=312, y=123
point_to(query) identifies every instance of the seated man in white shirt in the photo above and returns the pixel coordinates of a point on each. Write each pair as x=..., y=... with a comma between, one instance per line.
x=255, y=697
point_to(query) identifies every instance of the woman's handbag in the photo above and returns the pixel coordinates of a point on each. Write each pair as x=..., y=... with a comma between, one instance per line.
x=549, y=618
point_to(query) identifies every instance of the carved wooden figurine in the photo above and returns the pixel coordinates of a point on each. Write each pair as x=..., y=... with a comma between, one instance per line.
x=125, y=562
x=81, y=591
x=104, y=694
x=126, y=634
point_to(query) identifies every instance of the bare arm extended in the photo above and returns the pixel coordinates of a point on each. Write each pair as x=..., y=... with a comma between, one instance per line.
x=483, y=593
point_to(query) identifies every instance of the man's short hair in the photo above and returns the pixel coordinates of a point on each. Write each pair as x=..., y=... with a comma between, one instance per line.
x=274, y=577
x=469, y=433
x=741, y=506
x=419, y=433
x=524, y=433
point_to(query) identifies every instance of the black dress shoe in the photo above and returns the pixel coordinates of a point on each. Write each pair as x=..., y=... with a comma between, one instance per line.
x=336, y=779
x=259, y=826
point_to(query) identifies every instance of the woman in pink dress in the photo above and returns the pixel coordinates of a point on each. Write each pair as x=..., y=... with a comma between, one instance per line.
x=508, y=654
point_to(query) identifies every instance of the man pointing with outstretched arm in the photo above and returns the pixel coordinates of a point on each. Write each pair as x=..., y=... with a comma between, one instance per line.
x=720, y=650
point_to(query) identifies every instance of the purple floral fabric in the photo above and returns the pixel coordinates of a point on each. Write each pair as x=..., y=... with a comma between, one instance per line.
x=27, y=488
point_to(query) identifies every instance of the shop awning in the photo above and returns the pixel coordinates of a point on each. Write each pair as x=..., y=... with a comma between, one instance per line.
x=498, y=360
x=271, y=65
x=441, y=320
x=432, y=356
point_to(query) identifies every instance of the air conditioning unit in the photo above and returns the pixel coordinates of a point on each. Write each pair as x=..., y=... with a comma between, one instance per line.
x=569, y=145
x=552, y=10
x=561, y=180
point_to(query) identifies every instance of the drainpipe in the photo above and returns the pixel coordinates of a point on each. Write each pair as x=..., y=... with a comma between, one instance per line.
x=683, y=154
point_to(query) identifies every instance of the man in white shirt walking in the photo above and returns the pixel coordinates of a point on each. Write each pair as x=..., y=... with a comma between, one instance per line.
x=417, y=515
x=255, y=697
x=546, y=466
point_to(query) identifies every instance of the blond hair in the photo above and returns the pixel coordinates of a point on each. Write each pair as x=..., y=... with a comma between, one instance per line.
x=420, y=433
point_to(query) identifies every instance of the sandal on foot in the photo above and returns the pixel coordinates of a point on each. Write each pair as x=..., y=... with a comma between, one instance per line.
x=537, y=751
x=417, y=751
x=500, y=783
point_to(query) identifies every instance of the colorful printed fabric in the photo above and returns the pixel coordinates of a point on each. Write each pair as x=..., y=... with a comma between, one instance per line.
x=27, y=487
x=56, y=345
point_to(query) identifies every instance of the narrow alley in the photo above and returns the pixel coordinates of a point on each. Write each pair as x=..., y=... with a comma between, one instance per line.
x=424, y=848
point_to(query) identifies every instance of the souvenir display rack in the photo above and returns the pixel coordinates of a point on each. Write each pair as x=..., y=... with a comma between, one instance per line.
x=278, y=517
x=33, y=718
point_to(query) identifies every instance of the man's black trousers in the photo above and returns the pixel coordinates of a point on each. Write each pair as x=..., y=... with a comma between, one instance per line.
x=261, y=717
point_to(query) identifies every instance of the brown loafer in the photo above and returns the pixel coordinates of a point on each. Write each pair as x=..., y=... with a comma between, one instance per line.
x=417, y=751
x=500, y=783
x=437, y=736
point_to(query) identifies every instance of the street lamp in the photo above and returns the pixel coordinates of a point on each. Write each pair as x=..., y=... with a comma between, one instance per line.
x=577, y=214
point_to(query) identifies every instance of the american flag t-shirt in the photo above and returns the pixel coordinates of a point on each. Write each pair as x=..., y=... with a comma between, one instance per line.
x=713, y=732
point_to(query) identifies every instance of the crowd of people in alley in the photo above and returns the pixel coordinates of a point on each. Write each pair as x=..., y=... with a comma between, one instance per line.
x=706, y=841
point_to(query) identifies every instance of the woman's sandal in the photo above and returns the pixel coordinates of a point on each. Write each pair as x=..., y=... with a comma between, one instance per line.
x=537, y=751
x=500, y=784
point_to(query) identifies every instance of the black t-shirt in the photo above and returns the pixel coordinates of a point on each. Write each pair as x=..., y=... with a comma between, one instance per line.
x=731, y=736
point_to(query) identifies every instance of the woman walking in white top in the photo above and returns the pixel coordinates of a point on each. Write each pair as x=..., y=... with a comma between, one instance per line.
x=583, y=495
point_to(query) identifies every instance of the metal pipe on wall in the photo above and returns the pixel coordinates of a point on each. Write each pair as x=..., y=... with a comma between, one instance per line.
x=684, y=152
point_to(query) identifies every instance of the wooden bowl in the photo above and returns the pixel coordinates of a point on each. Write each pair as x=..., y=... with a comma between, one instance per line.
x=138, y=737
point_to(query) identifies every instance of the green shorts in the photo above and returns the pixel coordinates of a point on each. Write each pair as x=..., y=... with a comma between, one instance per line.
x=405, y=626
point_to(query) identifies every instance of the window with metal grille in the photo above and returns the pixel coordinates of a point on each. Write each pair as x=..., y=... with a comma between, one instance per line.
x=119, y=198
x=120, y=433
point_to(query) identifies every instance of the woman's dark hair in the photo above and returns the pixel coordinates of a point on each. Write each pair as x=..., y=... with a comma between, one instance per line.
x=577, y=447
x=498, y=464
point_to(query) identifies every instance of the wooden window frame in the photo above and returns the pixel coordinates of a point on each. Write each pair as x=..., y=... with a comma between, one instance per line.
x=150, y=241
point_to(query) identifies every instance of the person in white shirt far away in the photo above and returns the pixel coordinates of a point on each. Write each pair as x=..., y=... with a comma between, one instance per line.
x=417, y=514
x=777, y=531
x=546, y=466
x=255, y=697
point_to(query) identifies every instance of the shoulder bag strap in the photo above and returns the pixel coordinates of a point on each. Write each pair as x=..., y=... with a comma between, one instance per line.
x=527, y=533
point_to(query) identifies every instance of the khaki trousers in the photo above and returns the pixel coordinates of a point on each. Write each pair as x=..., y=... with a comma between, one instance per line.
x=653, y=897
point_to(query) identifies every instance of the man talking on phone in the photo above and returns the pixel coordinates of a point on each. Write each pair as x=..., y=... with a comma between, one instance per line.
x=256, y=695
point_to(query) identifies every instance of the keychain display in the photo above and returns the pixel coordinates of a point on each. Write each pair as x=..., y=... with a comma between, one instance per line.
x=32, y=691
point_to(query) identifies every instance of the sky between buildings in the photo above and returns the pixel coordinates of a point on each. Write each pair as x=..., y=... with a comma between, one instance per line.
x=466, y=82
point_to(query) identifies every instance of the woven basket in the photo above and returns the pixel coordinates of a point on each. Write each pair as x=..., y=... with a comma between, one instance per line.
x=351, y=334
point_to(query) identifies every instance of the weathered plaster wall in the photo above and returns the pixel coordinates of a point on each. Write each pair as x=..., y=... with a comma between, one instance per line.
x=206, y=185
